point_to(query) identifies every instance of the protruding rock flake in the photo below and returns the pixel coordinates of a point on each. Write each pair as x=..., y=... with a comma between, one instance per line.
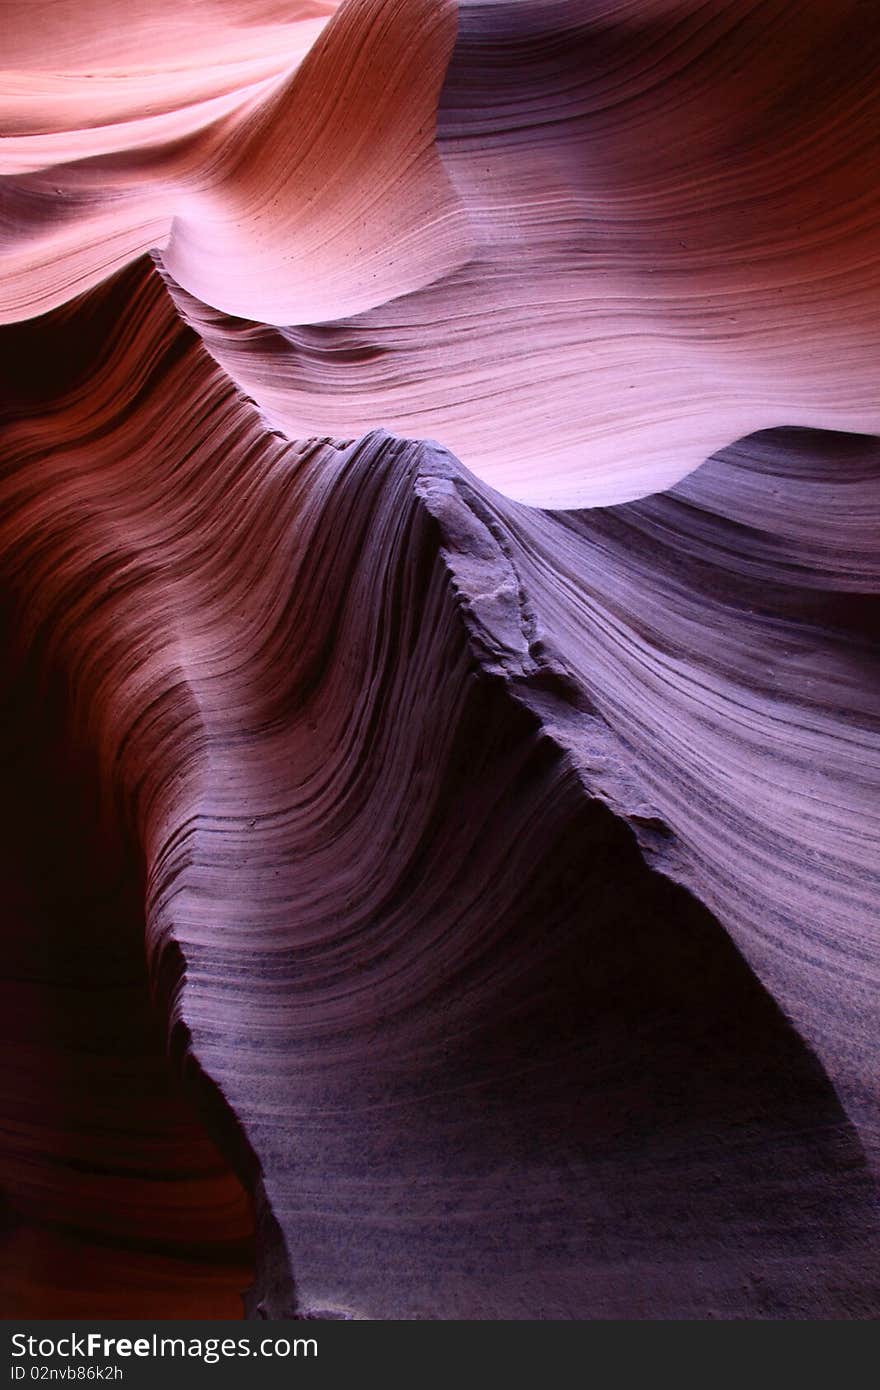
x=439, y=562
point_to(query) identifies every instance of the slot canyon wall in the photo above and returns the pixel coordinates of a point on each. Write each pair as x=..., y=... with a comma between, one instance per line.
x=440, y=517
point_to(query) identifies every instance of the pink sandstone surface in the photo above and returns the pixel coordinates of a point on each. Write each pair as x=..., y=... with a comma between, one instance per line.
x=439, y=506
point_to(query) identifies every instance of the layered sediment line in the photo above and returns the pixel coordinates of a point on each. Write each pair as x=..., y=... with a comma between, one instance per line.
x=629, y=233
x=505, y=875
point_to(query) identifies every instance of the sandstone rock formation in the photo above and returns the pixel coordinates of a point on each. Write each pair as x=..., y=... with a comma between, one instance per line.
x=441, y=876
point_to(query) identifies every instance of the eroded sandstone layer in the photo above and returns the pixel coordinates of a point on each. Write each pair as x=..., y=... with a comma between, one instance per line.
x=422, y=902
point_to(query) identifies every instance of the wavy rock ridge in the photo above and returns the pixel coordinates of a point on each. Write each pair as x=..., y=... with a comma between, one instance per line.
x=507, y=876
x=630, y=232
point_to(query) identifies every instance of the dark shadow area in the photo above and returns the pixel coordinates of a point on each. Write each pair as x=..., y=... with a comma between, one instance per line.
x=117, y=1204
x=582, y=1103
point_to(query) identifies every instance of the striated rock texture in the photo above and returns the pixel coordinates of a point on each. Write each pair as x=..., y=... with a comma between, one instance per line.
x=422, y=904
x=631, y=231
